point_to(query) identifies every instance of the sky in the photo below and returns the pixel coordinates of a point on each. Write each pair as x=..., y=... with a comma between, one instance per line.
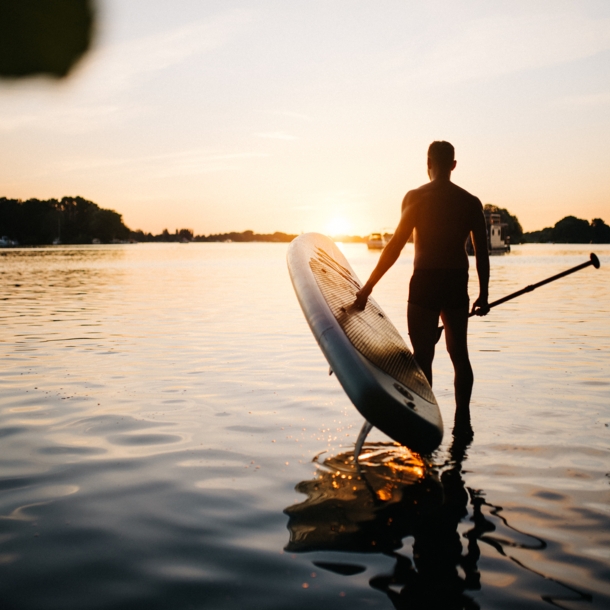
x=315, y=115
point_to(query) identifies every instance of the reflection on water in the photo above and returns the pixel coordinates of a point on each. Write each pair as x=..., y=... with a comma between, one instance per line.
x=392, y=494
x=363, y=507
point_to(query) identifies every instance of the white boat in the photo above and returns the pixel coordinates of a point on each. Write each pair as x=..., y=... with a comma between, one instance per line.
x=376, y=241
x=497, y=240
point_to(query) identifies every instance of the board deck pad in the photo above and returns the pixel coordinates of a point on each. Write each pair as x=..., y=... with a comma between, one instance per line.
x=369, y=331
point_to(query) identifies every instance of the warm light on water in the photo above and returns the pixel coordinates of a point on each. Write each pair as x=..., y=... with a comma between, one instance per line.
x=161, y=406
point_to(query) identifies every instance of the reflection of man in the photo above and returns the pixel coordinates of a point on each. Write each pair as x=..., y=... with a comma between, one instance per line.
x=442, y=216
x=432, y=579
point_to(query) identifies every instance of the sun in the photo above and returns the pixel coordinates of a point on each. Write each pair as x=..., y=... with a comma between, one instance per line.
x=337, y=226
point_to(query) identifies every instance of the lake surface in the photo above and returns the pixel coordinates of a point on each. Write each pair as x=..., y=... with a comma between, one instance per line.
x=171, y=439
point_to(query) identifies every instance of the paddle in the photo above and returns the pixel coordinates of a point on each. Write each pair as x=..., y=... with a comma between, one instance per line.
x=593, y=261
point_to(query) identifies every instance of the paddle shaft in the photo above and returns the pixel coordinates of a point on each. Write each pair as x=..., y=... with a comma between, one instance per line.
x=593, y=261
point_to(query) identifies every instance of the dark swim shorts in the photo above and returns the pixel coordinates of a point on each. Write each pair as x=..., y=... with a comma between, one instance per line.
x=439, y=289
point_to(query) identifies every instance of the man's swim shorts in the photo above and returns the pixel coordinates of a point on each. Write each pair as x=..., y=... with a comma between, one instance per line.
x=439, y=289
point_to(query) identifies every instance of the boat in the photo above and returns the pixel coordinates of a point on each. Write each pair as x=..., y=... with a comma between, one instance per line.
x=376, y=241
x=498, y=241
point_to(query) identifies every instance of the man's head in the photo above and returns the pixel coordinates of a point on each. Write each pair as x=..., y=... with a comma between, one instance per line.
x=441, y=159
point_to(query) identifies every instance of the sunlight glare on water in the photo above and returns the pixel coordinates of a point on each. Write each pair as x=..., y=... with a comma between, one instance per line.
x=170, y=438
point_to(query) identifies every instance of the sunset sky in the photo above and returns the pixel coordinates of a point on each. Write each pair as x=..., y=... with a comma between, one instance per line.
x=315, y=115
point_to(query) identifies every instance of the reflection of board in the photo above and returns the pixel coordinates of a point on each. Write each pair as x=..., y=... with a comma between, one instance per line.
x=363, y=348
x=368, y=506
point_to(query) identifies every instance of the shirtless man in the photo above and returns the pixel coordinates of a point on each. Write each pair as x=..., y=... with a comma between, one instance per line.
x=442, y=216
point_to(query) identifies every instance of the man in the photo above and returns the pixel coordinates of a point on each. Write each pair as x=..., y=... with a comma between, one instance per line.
x=442, y=216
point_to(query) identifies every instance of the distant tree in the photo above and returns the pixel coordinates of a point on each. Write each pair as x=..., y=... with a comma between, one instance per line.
x=571, y=230
x=82, y=221
x=184, y=235
x=139, y=235
x=538, y=237
x=28, y=222
x=513, y=228
x=72, y=220
x=247, y=236
x=107, y=226
x=600, y=232
x=40, y=221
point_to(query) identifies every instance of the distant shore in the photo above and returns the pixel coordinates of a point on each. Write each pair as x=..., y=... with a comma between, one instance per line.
x=75, y=220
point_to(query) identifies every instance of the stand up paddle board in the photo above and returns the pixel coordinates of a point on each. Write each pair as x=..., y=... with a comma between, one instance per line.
x=365, y=351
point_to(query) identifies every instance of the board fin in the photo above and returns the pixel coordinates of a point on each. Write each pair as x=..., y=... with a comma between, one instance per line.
x=364, y=432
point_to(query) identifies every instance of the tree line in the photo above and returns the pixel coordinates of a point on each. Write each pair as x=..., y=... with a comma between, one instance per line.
x=70, y=220
x=75, y=220
x=569, y=230
x=184, y=235
x=572, y=230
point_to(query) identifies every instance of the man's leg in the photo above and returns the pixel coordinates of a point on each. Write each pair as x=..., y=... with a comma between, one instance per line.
x=456, y=331
x=423, y=330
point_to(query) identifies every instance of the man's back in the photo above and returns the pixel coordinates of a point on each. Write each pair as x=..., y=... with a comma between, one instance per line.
x=443, y=215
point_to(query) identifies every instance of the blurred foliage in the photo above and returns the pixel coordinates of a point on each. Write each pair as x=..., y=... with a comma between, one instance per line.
x=43, y=37
x=572, y=230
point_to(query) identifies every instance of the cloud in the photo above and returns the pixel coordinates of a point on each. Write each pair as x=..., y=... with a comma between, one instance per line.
x=294, y=115
x=504, y=44
x=119, y=65
x=76, y=119
x=184, y=163
x=276, y=135
x=593, y=99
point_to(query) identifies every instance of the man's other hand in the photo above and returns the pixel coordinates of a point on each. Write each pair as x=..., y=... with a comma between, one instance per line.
x=480, y=307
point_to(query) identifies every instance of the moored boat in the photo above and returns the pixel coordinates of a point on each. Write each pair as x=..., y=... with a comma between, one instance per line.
x=376, y=241
x=498, y=240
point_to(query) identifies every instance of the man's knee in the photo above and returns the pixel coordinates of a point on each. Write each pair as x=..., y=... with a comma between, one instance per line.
x=457, y=348
x=461, y=364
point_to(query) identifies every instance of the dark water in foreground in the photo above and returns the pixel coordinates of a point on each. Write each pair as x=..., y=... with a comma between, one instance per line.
x=171, y=439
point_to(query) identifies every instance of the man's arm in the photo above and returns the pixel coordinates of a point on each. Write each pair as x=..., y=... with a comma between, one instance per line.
x=481, y=252
x=390, y=253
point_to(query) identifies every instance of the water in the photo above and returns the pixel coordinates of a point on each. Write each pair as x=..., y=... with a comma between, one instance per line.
x=171, y=439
